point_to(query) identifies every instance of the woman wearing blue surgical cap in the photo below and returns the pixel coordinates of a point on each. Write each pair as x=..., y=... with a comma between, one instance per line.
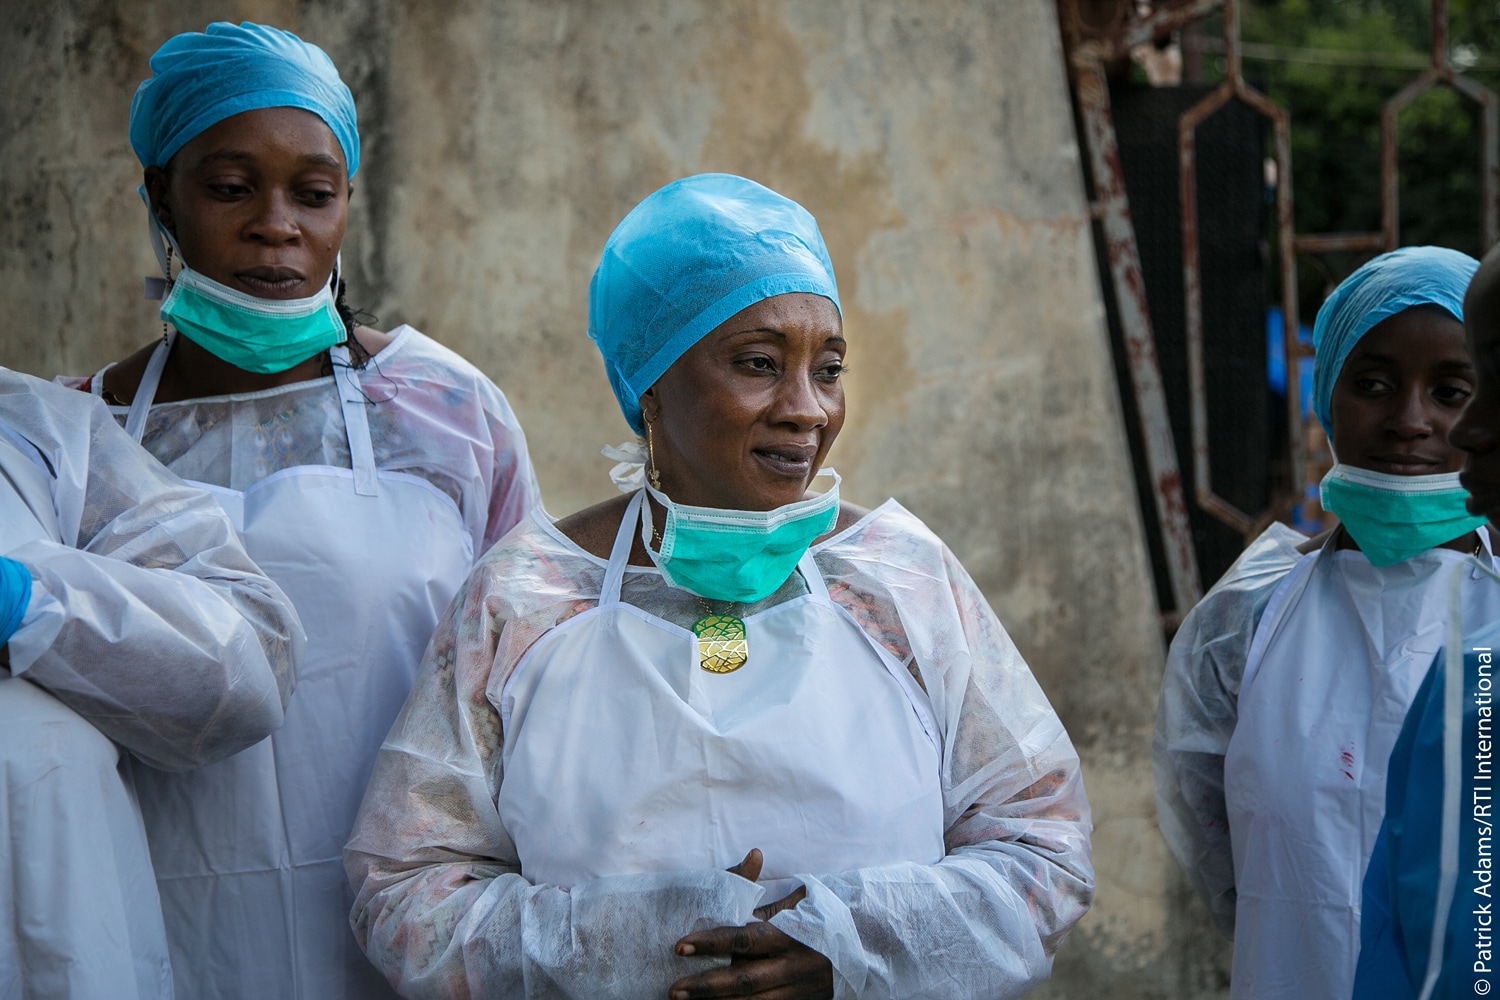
x=724, y=735
x=364, y=471
x=1435, y=853
x=1287, y=685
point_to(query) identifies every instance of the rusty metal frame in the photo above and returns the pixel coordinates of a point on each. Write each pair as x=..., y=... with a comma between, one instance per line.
x=1441, y=73
x=1087, y=58
x=1090, y=49
x=1234, y=88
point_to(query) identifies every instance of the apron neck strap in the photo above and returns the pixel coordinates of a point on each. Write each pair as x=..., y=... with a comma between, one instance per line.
x=812, y=576
x=351, y=399
x=619, y=554
x=145, y=393
x=356, y=422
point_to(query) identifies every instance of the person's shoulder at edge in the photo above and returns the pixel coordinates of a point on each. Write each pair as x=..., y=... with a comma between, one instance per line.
x=55, y=416
x=1217, y=632
x=1264, y=562
x=417, y=364
x=856, y=524
x=406, y=352
x=593, y=529
x=886, y=543
x=48, y=394
x=532, y=566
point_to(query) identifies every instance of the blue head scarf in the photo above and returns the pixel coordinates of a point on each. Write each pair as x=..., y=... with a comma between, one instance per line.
x=199, y=79
x=686, y=259
x=1381, y=288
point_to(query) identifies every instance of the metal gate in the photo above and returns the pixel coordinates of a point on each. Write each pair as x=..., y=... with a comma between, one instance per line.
x=1098, y=33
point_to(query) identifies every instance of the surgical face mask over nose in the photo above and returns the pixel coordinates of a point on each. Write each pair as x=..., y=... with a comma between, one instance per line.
x=1393, y=518
x=258, y=335
x=741, y=556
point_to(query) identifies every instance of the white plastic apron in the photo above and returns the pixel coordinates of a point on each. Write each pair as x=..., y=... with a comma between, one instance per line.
x=623, y=755
x=1337, y=658
x=85, y=892
x=249, y=851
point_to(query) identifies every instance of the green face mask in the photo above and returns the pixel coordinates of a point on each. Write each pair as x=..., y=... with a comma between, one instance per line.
x=258, y=335
x=741, y=556
x=1396, y=517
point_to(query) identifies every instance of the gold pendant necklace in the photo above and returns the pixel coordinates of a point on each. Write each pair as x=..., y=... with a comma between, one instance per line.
x=722, y=646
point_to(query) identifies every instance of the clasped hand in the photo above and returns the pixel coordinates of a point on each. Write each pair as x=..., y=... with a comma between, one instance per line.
x=764, y=962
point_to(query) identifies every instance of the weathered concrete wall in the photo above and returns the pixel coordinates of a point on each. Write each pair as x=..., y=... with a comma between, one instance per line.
x=503, y=140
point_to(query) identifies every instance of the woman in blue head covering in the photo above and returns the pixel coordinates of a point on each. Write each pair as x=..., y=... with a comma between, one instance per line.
x=725, y=735
x=364, y=471
x=1436, y=850
x=1286, y=686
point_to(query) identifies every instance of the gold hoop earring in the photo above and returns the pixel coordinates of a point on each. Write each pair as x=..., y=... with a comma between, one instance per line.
x=653, y=474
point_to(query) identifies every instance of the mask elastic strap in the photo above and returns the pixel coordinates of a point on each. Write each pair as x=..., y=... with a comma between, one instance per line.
x=356, y=422
x=156, y=288
x=646, y=525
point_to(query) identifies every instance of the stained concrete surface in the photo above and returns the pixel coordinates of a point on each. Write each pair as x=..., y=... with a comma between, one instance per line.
x=503, y=140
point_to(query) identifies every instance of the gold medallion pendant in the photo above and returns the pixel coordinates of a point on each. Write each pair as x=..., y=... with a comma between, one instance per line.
x=722, y=647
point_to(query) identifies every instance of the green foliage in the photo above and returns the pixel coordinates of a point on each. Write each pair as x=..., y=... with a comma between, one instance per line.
x=1335, y=113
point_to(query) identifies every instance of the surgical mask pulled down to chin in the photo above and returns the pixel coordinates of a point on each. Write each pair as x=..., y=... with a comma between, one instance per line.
x=258, y=335
x=741, y=556
x=1393, y=518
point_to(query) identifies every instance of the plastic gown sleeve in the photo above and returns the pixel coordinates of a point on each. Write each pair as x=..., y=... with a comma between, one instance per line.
x=147, y=618
x=1198, y=710
x=442, y=908
x=1018, y=874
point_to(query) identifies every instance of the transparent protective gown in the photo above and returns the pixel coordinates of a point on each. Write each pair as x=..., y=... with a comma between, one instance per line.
x=366, y=496
x=1198, y=710
x=1284, y=695
x=435, y=417
x=443, y=908
x=148, y=625
x=182, y=668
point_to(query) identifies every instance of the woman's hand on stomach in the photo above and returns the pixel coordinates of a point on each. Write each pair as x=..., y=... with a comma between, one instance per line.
x=764, y=962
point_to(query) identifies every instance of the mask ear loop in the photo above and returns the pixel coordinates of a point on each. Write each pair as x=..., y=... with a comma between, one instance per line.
x=164, y=245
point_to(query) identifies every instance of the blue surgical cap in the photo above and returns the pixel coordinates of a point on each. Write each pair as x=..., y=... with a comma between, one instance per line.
x=686, y=259
x=199, y=79
x=1381, y=288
